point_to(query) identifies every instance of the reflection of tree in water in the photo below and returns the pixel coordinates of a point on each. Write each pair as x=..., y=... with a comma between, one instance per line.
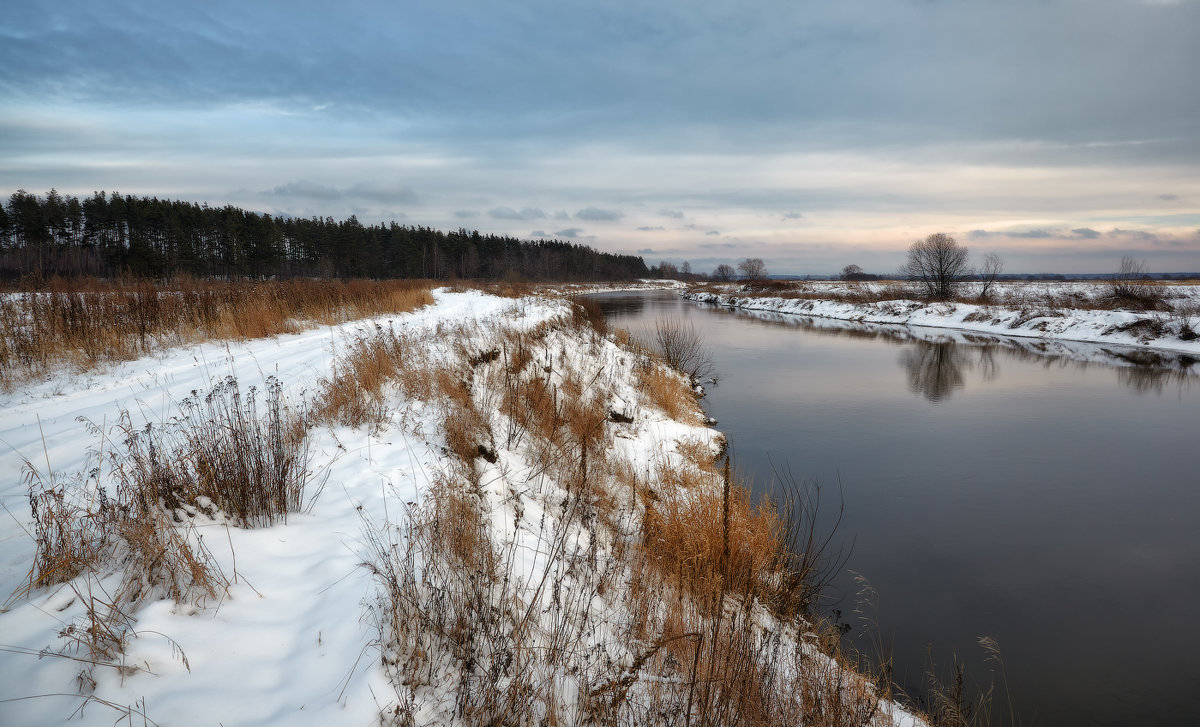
x=1153, y=371
x=935, y=370
x=987, y=363
x=1147, y=379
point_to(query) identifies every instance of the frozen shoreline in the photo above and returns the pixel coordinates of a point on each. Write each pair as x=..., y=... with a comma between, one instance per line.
x=1150, y=332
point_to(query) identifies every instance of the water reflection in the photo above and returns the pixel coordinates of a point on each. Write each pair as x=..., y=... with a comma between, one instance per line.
x=935, y=361
x=935, y=370
x=1150, y=380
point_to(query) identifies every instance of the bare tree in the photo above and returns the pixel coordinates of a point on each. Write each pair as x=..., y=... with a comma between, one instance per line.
x=724, y=273
x=937, y=264
x=753, y=268
x=992, y=267
x=682, y=347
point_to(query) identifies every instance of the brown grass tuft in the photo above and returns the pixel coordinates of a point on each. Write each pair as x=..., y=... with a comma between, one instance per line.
x=685, y=536
x=222, y=454
x=587, y=312
x=668, y=390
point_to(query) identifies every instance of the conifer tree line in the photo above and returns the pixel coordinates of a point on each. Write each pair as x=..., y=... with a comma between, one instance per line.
x=108, y=235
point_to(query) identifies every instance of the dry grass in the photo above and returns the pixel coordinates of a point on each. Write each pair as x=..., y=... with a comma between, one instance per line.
x=955, y=700
x=700, y=454
x=225, y=456
x=86, y=323
x=704, y=574
x=221, y=455
x=586, y=311
x=354, y=394
x=114, y=559
x=71, y=535
x=720, y=662
x=382, y=363
x=504, y=289
x=667, y=390
x=221, y=458
x=705, y=543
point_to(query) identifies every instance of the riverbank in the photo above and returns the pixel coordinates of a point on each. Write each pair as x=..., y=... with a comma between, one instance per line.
x=497, y=511
x=983, y=477
x=1042, y=311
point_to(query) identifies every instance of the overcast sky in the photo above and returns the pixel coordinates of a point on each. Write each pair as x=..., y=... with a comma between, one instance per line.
x=1061, y=134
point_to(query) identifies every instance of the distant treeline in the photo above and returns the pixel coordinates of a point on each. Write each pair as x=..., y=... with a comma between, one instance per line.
x=108, y=235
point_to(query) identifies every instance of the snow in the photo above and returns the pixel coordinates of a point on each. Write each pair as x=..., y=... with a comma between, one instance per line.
x=1017, y=314
x=289, y=644
x=297, y=637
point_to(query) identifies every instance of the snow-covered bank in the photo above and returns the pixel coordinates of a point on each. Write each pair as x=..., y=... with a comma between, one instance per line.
x=554, y=438
x=1153, y=331
x=288, y=644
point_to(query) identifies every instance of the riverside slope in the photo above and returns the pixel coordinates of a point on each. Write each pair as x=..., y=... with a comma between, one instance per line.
x=294, y=640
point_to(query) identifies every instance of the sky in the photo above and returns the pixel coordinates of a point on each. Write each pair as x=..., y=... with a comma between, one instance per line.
x=1059, y=134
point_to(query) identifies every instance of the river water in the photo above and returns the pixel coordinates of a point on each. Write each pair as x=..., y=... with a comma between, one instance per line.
x=1044, y=496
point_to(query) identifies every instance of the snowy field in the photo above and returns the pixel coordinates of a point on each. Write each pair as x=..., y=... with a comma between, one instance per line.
x=1031, y=310
x=300, y=632
x=290, y=642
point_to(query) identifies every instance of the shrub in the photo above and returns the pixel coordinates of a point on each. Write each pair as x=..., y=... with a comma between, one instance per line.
x=1131, y=288
x=682, y=347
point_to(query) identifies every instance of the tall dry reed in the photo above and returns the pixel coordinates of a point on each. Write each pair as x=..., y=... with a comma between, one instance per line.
x=85, y=323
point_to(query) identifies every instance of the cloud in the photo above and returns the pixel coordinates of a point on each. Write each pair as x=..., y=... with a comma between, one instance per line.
x=1030, y=234
x=1079, y=233
x=724, y=90
x=369, y=191
x=508, y=213
x=1139, y=235
x=391, y=194
x=538, y=233
x=647, y=251
x=569, y=232
x=713, y=232
x=306, y=189
x=173, y=99
x=652, y=229
x=595, y=214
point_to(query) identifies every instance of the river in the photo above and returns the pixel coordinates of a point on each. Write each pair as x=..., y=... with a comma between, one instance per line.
x=1044, y=496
